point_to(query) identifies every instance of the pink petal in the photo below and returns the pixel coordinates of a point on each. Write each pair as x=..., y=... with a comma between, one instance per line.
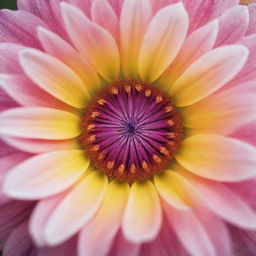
x=45, y=174
x=162, y=41
x=11, y=215
x=39, y=123
x=54, y=77
x=219, y=113
x=252, y=20
x=19, y=243
x=6, y=102
x=245, y=190
x=243, y=242
x=9, y=58
x=88, y=195
x=65, y=249
x=60, y=49
x=23, y=91
x=248, y=71
x=36, y=146
x=103, y=14
x=165, y=244
x=246, y=133
x=134, y=20
x=208, y=74
x=117, y=6
x=123, y=247
x=40, y=215
x=225, y=203
x=218, y=158
x=11, y=160
x=142, y=218
x=107, y=220
x=19, y=27
x=202, y=11
x=98, y=45
x=46, y=10
x=233, y=25
x=197, y=44
x=190, y=232
x=216, y=229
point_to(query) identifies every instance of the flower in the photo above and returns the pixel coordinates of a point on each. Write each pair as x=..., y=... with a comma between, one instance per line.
x=127, y=128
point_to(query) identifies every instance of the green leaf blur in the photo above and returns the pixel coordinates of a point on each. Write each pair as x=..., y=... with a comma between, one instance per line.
x=8, y=4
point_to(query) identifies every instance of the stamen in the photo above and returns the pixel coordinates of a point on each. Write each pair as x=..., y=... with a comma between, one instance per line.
x=128, y=88
x=114, y=90
x=138, y=87
x=121, y=169
x=133, y=168
x=164, y=151
x=159, y=99
x=110, y=165
x=95, y=114
x=101, y=101
x=148, y=93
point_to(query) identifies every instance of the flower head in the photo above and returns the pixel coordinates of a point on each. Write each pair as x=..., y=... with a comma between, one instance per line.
x=128, y=124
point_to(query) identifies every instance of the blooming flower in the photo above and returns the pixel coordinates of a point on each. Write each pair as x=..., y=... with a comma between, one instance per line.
x=127, y=128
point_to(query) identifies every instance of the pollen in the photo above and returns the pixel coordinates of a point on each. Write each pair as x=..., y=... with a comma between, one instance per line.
x=133, y=136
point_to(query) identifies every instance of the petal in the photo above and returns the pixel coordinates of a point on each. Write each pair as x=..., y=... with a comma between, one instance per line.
x=208, y=74
x=48, y=11
x=246, y=133
x=190, y=232
x=218, y=157
x=107, y=220
x=162, y=41
x=88, y=195
x=60, y=49
x=243, y=241
x=197, y=44
x=46, y=174
x=225, y=203
x=40, y=215
x=134, y=20
x=170, y=187
x=216, y=229
x=54, y=77
x=19, y=242
x=6, y=102
x=103, y=14
x=94, y=42
x=23, y=91
x=142, y=218
x=19, y=27
x=9, y=53
x=39, y=123
x=11, y=215
x=202, y=11
x=252, y=20
x=248, y=71
x=37, y=146
x=220, y=113
x=65, y=249
x=233, y=25
x=117, y=6
x=122, y=246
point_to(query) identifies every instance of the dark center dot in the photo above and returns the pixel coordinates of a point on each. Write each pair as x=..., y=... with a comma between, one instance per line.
x=131, y=130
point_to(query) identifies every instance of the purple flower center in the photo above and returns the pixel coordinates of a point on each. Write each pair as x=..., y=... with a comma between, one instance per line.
x=131, y=130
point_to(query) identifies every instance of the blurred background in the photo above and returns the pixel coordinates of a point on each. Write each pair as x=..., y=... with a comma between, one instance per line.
x=9, y=4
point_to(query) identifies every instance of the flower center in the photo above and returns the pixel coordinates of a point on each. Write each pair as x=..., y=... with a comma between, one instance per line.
x=131, y=130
